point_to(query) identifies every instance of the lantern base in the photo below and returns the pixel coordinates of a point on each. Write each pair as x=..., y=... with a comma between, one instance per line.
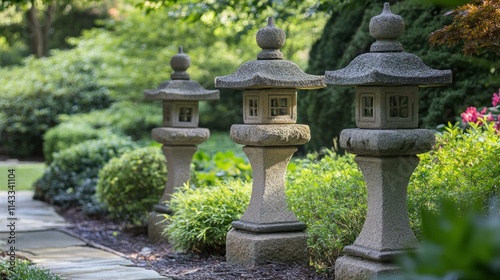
x=250, y=249
x=156, y=226
x=348, y=267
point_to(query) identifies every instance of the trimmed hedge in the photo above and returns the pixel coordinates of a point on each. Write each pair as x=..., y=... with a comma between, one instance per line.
x=71, y=178
x=130, y=185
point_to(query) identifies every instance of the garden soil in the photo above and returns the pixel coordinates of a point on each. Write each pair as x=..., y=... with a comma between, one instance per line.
x=133, y=244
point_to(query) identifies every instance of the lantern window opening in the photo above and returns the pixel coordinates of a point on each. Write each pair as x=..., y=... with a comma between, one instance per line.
x=279, y=106
x=367, y=106
x=398, y=106
x=253, y=106
x=185, y=114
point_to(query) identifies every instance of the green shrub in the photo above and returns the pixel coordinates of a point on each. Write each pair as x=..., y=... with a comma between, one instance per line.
x=62, y=84
x=130, y=185
x=23, y=270
x=210, y=171
x=67, y=134
x=462, y=168
x=329, y=195
x=203, y=216
x=72, y=176
x=456, y=245
x=134, y=119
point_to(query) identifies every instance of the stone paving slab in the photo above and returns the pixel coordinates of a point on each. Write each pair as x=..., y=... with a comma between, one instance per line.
x=30, y=214
x=40, y=237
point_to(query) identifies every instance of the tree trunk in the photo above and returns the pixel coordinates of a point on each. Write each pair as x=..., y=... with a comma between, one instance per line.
x=39, y=28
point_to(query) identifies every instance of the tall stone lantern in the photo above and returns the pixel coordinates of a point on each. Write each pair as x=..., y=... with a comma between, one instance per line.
x=180, y=133
x=268, y=230
x=386, y=143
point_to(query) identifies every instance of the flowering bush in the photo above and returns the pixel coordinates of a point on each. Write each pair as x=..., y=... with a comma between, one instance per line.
x=491, y=114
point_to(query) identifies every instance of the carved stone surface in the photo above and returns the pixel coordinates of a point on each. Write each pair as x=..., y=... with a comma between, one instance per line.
x=249, y=249
x=270, y=135
x=387, y=158
x=268, y=230
x=399, y=142
x=180, y=136
x=180, y=87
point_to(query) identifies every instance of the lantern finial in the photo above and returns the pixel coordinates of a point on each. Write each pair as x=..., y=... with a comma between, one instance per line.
x=180, y=63
x=386, y=28
x=270, y=39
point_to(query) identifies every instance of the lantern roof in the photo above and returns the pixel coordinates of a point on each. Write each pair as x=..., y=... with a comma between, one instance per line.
x=180, y=86
x=270, y=70
x=386, y=63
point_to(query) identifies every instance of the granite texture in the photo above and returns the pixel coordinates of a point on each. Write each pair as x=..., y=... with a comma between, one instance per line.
x=180, y=87
x=351, y=268
x=270, y=39
x=398, y=142
x=386, y=28
x=263, y=99
x=248, y=249
x=156, y=226
x=269, y=74
x=270, y=135
x=177, y=136
x=388, y=68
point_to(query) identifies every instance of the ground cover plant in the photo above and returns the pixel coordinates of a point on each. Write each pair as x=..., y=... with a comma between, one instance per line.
x=129, y=185
x=23, y=270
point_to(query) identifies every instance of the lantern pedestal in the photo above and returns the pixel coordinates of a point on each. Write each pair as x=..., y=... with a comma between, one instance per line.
x=268, y=230
x=180, y=144
x=387, y=158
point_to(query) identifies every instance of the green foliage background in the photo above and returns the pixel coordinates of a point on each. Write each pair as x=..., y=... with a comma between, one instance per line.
x=346, y=35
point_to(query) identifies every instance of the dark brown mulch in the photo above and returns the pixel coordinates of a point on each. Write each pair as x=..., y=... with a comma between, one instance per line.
x=133, y=243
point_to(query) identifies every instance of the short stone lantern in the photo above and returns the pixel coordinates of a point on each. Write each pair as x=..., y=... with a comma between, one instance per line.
x=386, y=143
x=268, y=230
x=180, y=133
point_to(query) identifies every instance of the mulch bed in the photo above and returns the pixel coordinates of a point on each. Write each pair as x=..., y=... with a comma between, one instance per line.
x=133, y=244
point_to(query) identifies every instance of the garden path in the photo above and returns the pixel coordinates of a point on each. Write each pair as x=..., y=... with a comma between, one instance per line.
x=40, y=236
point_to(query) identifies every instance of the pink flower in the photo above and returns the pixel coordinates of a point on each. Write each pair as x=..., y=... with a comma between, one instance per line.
x=484, y=110
x=496, y=98
x=470, y=115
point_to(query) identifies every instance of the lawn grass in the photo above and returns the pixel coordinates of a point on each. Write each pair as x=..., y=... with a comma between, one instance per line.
x=26, y=174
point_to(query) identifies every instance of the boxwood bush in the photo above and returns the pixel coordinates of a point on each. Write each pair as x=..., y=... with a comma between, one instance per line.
x=203, y=216
x=62, y=84
x=130, y=185
x=71, y=178
x=67, y=134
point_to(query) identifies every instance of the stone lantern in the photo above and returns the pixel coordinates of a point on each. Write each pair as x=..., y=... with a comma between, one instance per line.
x=180, y=133
x=386, y=143
x=268, y=230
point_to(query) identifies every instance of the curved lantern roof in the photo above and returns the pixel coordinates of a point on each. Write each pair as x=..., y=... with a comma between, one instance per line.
x=386, y=63
x=180, y=87
x=270, y=70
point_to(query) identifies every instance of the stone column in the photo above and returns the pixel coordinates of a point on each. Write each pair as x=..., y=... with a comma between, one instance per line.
x=179, y=135
x=386, y=143
x=268, y=230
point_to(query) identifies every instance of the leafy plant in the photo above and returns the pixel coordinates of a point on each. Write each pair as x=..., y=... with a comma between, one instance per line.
x=71, y=178
x=130, y=185
x=329, y=195
x=203, y=216
x=62, y=84
x=463, y=168
x=456, y=245
x=67, y=134
x=23, y=270
x=221, y=166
